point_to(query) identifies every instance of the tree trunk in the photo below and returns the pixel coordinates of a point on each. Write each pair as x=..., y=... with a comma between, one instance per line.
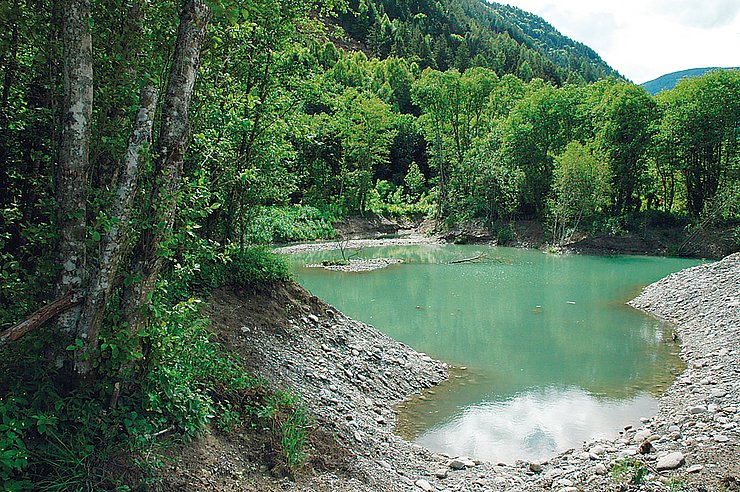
x=115, y=242
x=73, y=167
x=170, y=150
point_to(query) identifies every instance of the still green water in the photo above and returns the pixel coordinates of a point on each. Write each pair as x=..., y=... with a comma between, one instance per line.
x=546, y=352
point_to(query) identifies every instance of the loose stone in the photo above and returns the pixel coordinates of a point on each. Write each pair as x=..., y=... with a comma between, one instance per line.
x=598, y=450
x=670, y=461
x=424, y=485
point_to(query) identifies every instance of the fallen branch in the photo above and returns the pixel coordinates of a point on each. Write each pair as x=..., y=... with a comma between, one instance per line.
x=467, y=260
x=38, y=318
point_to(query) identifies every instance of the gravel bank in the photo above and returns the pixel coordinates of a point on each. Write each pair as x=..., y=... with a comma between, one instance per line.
x=407, y=239
x=350, y=375
x=359, y=265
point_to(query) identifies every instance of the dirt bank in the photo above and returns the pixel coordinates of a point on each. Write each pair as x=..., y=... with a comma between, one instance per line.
x=350, y=375
x=661, y=240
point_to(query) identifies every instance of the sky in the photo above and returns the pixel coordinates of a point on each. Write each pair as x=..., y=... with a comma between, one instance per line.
x=644, y=39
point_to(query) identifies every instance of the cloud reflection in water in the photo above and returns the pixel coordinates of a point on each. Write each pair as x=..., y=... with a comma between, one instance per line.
x=534, y=425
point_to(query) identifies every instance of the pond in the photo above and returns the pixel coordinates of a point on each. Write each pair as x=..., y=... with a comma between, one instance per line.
x=546, y=354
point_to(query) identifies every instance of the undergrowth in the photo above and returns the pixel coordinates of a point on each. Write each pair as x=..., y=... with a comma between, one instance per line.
x=152, y=389
x=268, y=225
x=630, y=471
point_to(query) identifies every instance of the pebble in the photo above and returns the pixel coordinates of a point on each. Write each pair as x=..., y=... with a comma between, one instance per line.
x=670, y=461
x=597, y=450
x=424, y=485
x=553, y=473
x=564, y=483
x=694, y=468
x=600, y=469
x=641, y=435
x=441, y=473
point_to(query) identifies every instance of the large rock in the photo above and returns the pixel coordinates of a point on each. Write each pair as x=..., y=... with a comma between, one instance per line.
x=670, y=461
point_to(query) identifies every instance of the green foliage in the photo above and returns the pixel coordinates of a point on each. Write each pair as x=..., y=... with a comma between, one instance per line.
x=257, y=265
x=676, y=484
x=538, y=128
x=580, y=190
x=699, y=133
x=467, y=33
x=625, y=130
x=388, y=199
x=14, y=456
x=288, y=134
x=630, y=471
x=270, y=225
x=669, y=81
x=504, y=233
x=294, y=431
x=290, y=422
x=54, y=439
x=414, y=181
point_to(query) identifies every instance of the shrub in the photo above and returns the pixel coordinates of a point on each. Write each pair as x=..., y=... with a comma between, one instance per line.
x=268, y=225
x=629, y=470
x=257, y=264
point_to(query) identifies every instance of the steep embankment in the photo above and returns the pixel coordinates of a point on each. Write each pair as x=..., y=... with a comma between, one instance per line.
x=350, y=375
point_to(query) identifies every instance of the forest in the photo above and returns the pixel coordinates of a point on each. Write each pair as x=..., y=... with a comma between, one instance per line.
x=152, y=151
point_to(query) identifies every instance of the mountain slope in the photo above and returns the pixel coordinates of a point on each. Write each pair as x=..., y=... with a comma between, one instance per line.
x=669, y=81
x=462, y=33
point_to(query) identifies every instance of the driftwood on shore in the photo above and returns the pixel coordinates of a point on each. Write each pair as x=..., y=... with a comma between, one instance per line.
x=467, y=260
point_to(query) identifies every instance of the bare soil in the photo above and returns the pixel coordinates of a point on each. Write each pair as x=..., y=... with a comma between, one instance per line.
x=655, y=241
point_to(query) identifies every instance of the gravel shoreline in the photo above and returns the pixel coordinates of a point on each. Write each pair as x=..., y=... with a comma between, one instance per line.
x=406, y=239
x=350, y=376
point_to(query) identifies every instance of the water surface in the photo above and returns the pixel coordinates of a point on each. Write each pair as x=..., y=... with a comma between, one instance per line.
x=552, y=356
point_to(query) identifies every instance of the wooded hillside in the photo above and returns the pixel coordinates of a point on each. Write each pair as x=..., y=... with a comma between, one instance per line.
x=152, y=151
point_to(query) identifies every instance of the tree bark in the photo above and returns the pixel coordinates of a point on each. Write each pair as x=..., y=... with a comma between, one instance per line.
x=73, y=167
x=114, y=243
x=170, y=150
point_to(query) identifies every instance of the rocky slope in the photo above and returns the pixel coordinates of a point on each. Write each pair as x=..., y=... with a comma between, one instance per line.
x=350, y=375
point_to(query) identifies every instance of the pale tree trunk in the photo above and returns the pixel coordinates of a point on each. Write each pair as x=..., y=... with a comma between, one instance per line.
x=73, y=168
x=115, y=241
x=170, y=150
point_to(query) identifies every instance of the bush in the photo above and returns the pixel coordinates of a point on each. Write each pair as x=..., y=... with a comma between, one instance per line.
x=268, y=225
x=256, y=265
x=387, y=199
x=57, y=437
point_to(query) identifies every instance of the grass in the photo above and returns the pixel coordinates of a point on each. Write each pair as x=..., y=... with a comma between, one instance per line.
x=630, y=471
